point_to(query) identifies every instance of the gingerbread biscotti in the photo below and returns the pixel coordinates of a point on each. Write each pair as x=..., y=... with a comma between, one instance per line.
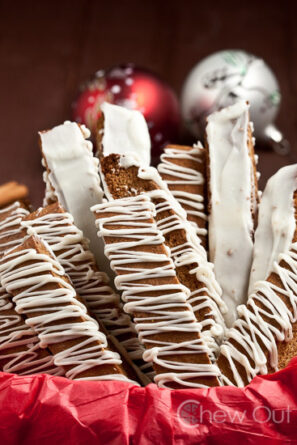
x=72, y=178
x=264, y=338
x=19, y=344
x=233, y=201
x=20, y=352
x=122, y=176
x=54, y=225
x=164, y=320
x=10, y=229
x=184, y=171
x=43, y=293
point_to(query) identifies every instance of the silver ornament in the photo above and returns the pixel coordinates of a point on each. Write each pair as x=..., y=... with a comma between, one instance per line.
x=226, y=77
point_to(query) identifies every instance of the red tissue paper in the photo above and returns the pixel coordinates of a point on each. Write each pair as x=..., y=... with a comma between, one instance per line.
x=42, y=409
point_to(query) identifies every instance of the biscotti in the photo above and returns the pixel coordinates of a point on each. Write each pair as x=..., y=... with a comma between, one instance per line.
x=20, y=352
x=233, y=201
x=19, y=344
x=264, y=338
x=72, y=178
x=184, y=171
x=42, y=292
x=10, y=230
x=121, y=177
x=54, y=225
x=164, y=320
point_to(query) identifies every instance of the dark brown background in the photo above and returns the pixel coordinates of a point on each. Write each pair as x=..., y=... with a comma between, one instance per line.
x=48, y=47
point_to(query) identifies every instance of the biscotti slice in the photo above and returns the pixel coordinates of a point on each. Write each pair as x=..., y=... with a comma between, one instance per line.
x=123, y=177
x=72, y=178
x=19, y=344
x=54, y=225
x=164, y=320
x=276, y=223
x=43, y=293
x=11, y=192
x=184, y=171
x=123, y=131
x=11, y=233
x=264, y=338
x=233, y=201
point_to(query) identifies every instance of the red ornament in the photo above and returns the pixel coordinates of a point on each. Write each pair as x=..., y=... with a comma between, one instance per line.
x=134, y=88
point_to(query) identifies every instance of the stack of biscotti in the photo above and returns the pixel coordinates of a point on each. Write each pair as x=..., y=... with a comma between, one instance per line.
x=34, y=333
x=20, y=351
x=188, y=360
x=205, y=271
x=217, y=188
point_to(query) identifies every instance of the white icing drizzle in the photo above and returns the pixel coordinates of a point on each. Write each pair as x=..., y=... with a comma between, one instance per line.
x=59, y=304
x=14, y=333
x=125, y=131
x=230, y=220
x=71, y=249
x=191, y=253
x=10, y=219
x=251, y=328
x=182, y=176
x=136, y=213
x=276, y=223
x=74, y=178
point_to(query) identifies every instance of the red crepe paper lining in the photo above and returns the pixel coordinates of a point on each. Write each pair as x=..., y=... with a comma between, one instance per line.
x=42, y=409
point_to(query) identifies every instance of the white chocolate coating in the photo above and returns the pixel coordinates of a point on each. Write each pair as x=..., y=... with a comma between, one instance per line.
x=125, y=131
x=136, y=213
x=230, y=219
x=276, y=223
x=74, y=178
x=185, y=176
x=57, y=305
x=252, y=329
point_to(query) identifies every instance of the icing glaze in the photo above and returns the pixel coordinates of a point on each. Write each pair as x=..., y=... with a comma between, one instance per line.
x=125, y=131
x=71, y=249
x=265, y=320
x=191, y=253
x=14, y=333
x=159, y=314
x=231, y=190
x=185, y=176
x=10, y=219
x=276, y=223
x=19, y=271
x=73, y=174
